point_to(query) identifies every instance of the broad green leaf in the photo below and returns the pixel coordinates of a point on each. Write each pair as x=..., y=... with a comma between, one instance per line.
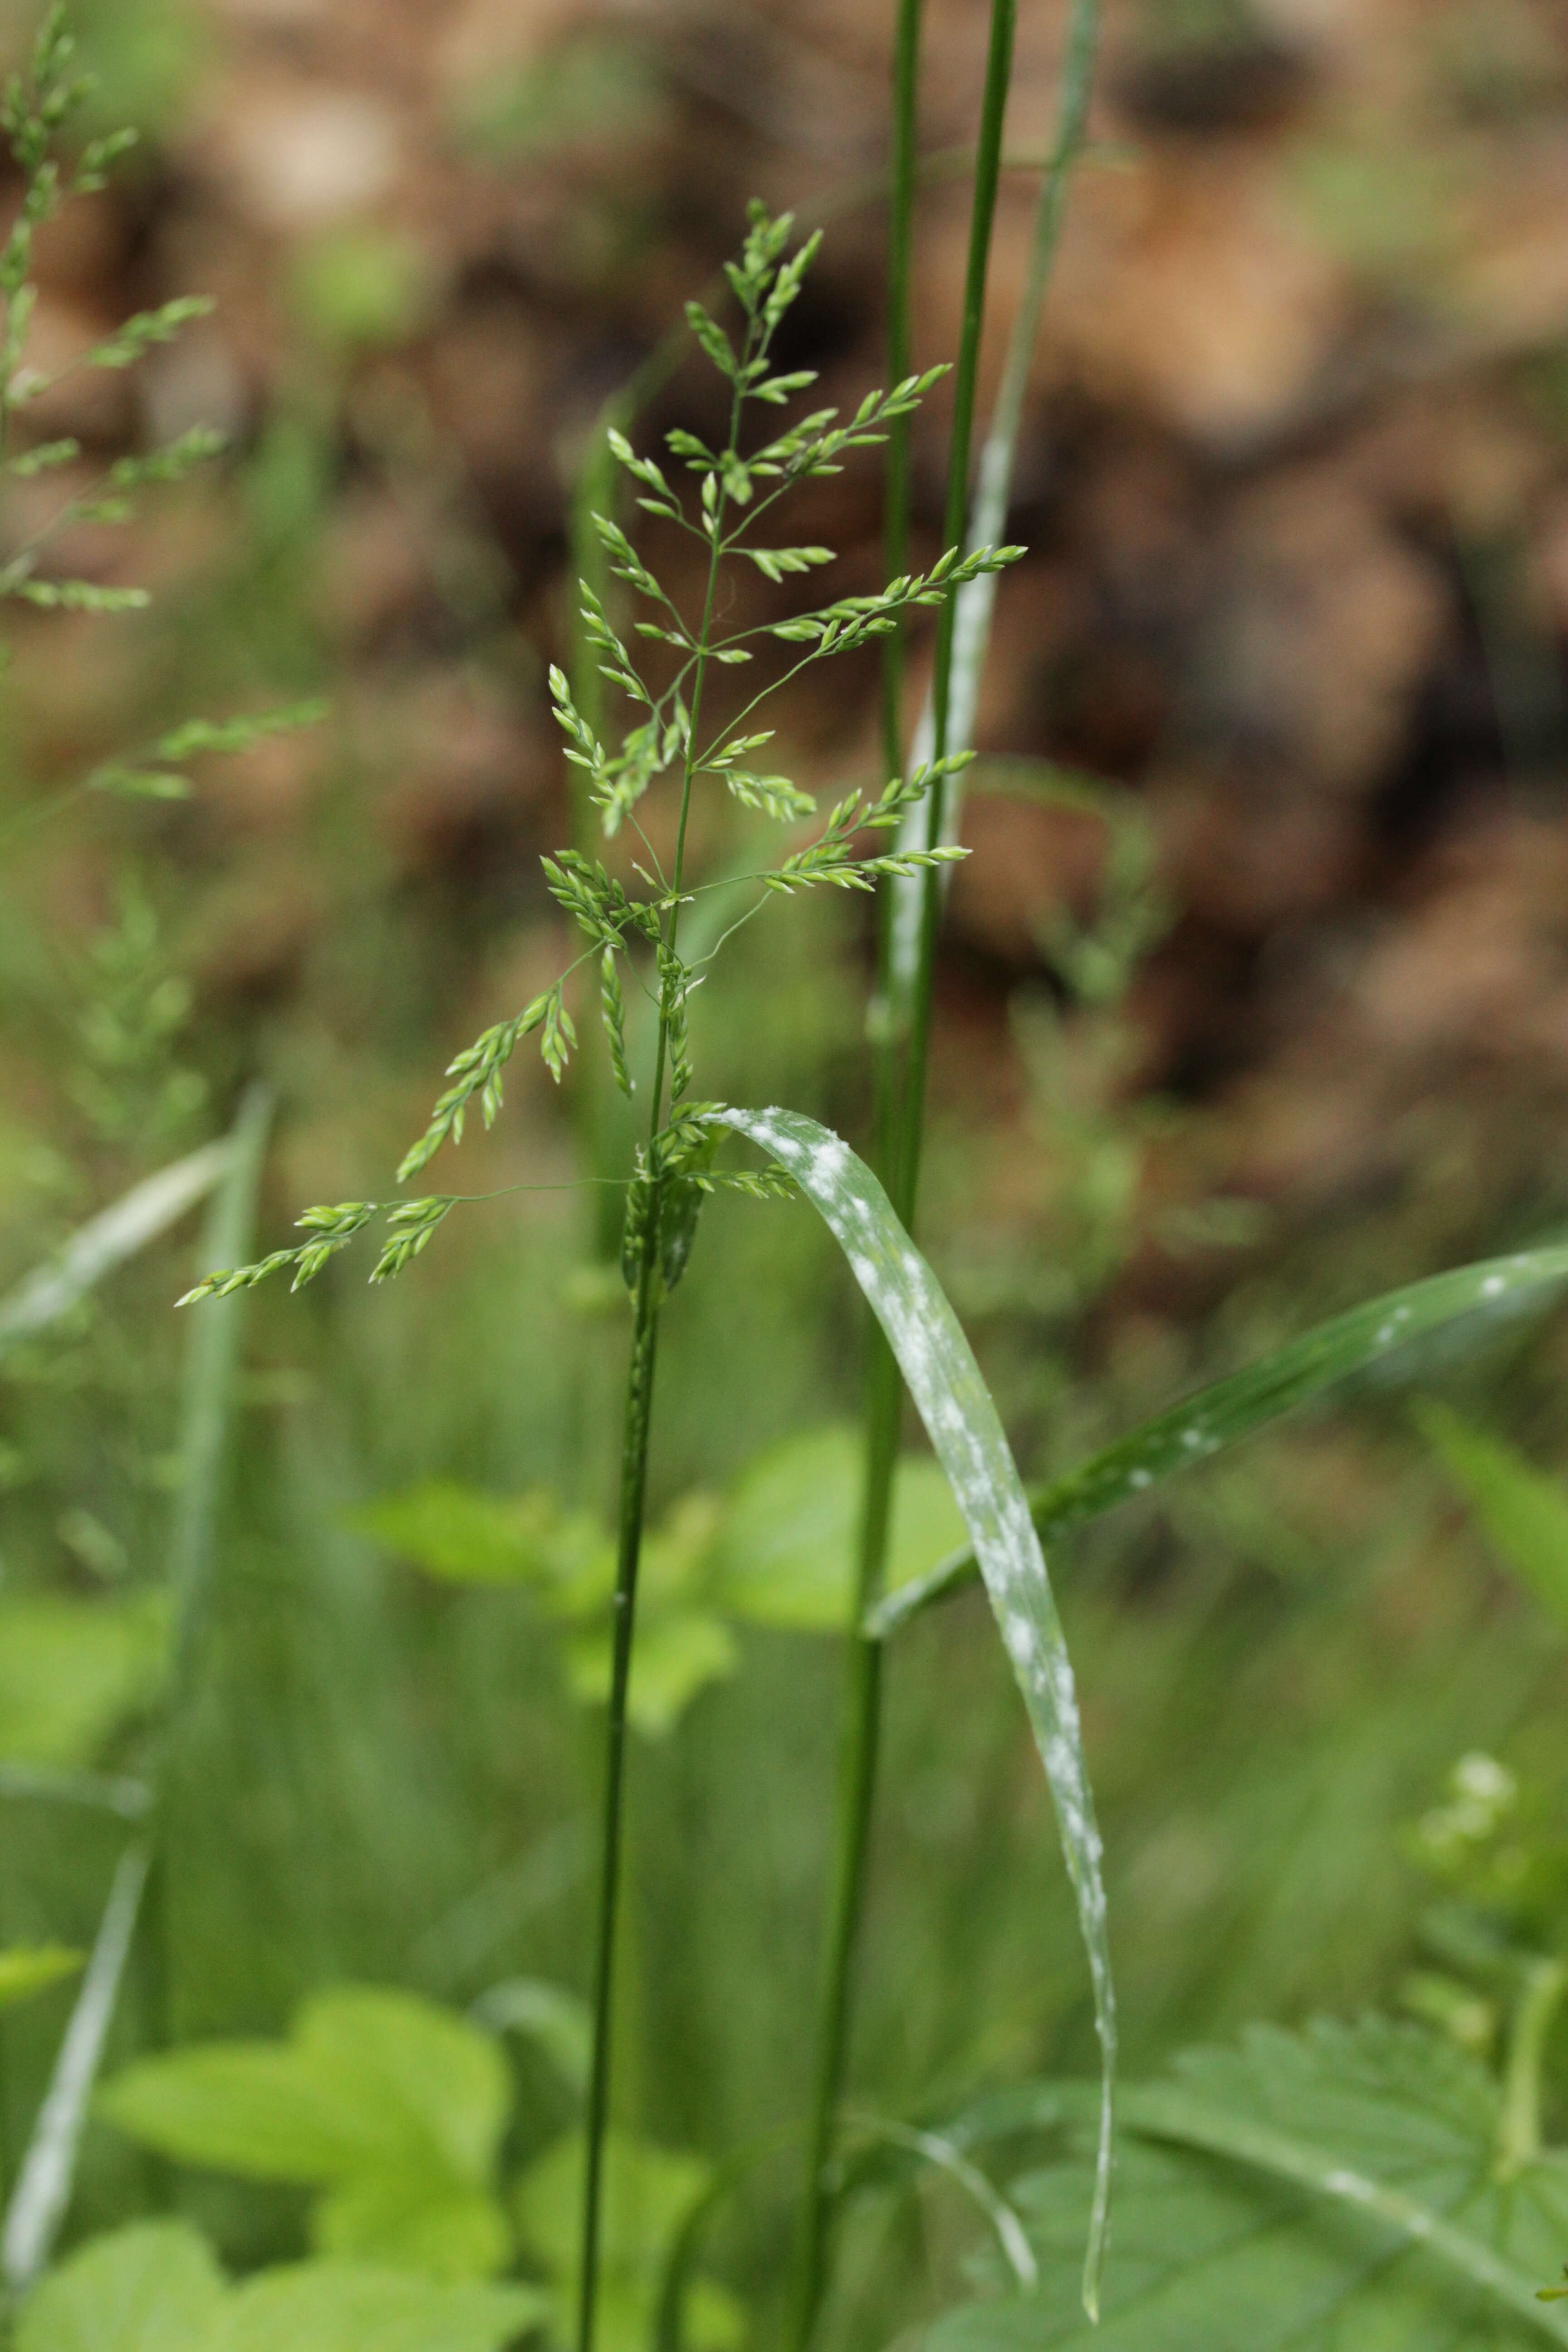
x=785, y=1549
x=238, y=2106
x=1333, y=2191
x=393, y=2105
x=27, y=1968
x=414, y=2220
x=154, y=2287
x=455, y=1531
x=354, y=2307
x=1522, y=1513
x=433, y=2080
x=1231, y=1408
x=72, y=1671
x=939, y=1367
x=649, y=2193
x=567, y=1559
x=677, y=1653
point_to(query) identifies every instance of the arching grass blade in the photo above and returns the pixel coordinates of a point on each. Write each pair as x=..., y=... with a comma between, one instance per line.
x=106, y=1239
x=939, y=1366
x=1231, y=1408
x=43, y=2189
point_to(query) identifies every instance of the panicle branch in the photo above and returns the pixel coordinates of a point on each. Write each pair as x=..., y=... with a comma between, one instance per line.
x=674, y=1173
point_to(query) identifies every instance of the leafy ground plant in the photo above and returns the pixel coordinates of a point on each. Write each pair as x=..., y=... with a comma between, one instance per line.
x=1353, y=2186
x=1379, y=2184
x=633, y=939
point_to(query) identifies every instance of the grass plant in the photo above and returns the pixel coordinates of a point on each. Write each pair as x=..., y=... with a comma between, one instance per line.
x=674, y=1170
x=401, y=1723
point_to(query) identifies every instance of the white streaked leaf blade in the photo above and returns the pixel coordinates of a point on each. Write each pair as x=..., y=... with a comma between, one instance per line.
x=1374, y=1337
x=961, y=1421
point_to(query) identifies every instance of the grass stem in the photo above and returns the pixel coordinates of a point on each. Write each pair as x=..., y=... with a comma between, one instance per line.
x=900, y=1061
x=634, y=1490
x=634, y=1495
x=904, y=1168
x=884, y=1392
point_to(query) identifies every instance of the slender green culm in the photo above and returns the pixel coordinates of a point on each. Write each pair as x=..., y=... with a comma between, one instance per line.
x=899, y=1104
x=671, y=737
x=904, y=1167
x=884, y=1388
x=994, y=481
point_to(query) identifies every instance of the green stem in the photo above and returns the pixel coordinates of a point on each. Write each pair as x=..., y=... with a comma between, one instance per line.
x=904, y=1170
x=1518, y=2133
x=862, y=1703
x=633, y=1488
x=633, y=1495
x=862, y=1717
x=898, y=1111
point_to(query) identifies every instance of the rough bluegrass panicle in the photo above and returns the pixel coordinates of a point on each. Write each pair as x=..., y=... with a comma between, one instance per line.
x=736, y=487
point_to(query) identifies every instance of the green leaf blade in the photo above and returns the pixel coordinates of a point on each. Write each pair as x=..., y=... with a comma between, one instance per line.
x=1231, y=1408
x=784, y=1551
x=392, y=2106
x=966, y=1433
x=154, y=2286
x=330, y=2306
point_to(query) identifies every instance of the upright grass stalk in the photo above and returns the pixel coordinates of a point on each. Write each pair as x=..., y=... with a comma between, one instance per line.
x=905, y=1158
x=905, y=964
x=634, y=1472
x=884, y=1388
x=673, y=1173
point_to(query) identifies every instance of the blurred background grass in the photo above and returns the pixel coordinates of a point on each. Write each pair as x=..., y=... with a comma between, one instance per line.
x=1269, y=1010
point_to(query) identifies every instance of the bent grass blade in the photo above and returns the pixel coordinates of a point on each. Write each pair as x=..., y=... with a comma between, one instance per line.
x=939, y=1366
x=943, y=2155
x=44, y=2185
x=106, y=1239
x=1231, y=1408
